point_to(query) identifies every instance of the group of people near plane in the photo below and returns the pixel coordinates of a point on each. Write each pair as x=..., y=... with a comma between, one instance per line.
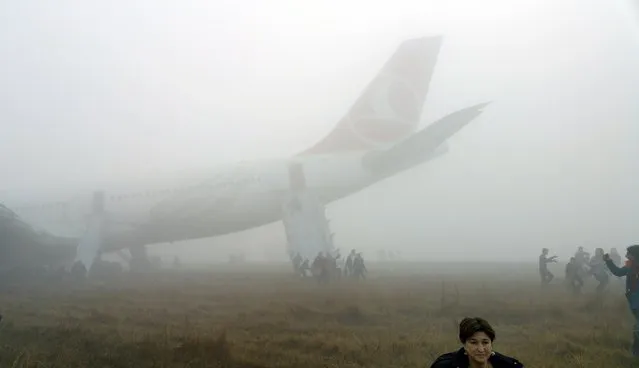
x=601, y=265
x=581, y=266
x=329, y=266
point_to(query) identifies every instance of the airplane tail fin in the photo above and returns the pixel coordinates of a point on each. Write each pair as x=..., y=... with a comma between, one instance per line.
x=390, y=107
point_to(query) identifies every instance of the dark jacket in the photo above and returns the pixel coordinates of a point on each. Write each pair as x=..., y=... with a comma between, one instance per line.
x=458, y=359
x=632, y=281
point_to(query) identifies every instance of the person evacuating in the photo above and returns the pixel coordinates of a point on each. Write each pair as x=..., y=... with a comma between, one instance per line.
x=319, y=267
x=304, y=269
x=631, y=271
x=348, y=267
x=546, y=276
x=359, y=268
x=573, y=278
x=599, y=270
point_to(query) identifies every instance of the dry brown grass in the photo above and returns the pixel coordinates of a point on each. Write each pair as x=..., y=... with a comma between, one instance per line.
x=265, y=318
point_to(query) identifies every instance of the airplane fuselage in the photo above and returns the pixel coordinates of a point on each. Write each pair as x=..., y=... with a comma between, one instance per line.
x=206, y=204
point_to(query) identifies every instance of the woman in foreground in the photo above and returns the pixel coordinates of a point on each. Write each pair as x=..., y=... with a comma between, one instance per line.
x=477, y=337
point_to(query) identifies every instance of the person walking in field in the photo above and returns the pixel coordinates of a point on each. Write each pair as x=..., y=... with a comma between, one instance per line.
x=546, y=276
x=582, y=258
x=573, y=279
x=359, y=268
x=599, y=270
x=631, y=271
x=348, y=267
x=477, y=337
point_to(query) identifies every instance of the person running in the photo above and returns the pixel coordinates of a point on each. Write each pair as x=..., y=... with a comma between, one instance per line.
x=573, y=278
x=546, y=276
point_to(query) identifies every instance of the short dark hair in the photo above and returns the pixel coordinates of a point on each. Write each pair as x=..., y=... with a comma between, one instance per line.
x=633, y=250
x=470, y=326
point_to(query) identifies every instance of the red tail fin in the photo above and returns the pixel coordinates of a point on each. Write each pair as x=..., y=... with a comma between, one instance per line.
x=390, y=107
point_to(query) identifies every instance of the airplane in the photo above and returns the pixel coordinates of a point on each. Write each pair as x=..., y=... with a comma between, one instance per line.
x=376, y=139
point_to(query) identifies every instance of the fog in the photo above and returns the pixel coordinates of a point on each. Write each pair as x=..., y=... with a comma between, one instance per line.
x=94, y=91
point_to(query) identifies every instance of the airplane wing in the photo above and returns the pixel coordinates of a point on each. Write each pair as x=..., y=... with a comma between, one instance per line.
x=10, y=220
x=21, y=244
x=423, y=145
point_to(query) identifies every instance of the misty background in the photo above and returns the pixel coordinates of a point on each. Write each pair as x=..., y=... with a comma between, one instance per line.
x=96, y=91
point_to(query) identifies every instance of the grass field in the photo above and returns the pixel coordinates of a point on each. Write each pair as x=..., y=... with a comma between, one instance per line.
x=265, y=318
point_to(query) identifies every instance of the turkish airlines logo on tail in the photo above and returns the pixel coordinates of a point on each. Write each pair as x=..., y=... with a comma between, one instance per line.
x=389, y=113
x=390, y=108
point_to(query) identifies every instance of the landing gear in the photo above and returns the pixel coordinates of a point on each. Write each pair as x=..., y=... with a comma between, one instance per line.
x=139, y=259
x=91, y=242
x=304, y=218
x=79, y=271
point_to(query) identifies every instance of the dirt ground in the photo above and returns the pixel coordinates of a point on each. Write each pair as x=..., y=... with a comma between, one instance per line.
x=404, y=315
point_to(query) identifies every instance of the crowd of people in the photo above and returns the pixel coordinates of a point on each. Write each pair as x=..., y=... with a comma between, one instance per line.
x=601, y=266
x=329, y=266
x=477, y=336
x=579, y=268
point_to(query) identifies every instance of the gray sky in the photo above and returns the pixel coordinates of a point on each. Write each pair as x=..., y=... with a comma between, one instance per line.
x=95, y=90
